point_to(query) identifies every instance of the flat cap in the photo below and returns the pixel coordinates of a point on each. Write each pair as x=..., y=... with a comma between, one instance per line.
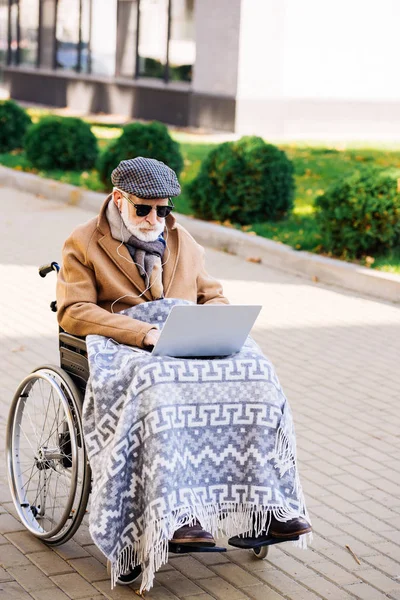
x=146, y=178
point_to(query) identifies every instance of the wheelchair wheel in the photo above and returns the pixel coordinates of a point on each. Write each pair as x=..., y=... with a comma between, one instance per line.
x=260, y=552
x=48, y=471
x=129, y=577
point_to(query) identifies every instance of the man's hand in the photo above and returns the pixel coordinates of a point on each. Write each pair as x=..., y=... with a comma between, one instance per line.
x=151, y=337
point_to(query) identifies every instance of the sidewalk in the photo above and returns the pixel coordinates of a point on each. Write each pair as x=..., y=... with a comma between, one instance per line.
x=337, y=355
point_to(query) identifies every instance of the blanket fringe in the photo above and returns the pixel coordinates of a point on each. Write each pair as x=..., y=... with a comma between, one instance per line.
x=227, y=518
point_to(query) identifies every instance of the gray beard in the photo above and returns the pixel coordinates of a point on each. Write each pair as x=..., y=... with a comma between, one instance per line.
x=135, y=230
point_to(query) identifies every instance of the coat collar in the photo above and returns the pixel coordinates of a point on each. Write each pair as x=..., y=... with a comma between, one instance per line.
x=120, y=256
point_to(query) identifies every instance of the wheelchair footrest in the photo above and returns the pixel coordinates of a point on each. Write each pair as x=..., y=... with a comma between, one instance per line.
x=186, y=548
x=252, y=542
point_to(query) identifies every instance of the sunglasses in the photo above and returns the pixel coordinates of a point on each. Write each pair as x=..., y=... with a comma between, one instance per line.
x=142, y=210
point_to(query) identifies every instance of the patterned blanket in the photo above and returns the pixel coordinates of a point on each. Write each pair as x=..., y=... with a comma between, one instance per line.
x=173, y=440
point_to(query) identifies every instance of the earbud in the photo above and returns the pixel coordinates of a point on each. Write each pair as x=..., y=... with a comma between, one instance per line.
x=148, y=285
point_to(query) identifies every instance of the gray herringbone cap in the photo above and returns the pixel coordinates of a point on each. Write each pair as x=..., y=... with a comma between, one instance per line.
x=146, y=178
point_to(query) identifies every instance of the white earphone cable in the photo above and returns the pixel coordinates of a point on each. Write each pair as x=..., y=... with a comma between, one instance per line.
x=131, y=261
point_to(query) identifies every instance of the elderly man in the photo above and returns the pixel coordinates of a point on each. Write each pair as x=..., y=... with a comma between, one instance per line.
x=134, y=253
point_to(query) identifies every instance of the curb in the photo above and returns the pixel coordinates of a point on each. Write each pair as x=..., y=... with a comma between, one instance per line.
x=362, y=280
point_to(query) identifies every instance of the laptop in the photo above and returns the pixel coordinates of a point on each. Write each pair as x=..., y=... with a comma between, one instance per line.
x=205, y=330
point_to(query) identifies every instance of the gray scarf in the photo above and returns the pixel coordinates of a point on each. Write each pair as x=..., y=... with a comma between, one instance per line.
x=146, y=255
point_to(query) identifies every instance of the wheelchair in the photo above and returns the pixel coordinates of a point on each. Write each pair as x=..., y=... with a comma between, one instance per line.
x=48, y=470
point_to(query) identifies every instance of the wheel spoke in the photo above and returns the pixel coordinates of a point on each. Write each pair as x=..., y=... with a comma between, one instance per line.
x=26, y=437
x=55, y=495
x=40, y=489
x=56, y=414
x=46, y=414
x=34, y=428
x=53, y=431
x=29, y=468
x=28, y=481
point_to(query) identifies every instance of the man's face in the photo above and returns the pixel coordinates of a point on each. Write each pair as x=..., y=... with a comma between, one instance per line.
x=146, y=228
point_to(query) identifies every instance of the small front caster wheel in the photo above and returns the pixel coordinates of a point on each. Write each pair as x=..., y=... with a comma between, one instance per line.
x=129, y=577
x=260, y=552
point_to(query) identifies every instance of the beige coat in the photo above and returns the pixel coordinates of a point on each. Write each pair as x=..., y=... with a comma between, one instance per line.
x=93, y=275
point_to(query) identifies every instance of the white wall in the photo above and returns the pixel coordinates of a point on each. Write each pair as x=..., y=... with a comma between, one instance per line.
x=261, y=67
x=346, y=49
x=261, y=49
x=320, y=68
x=333, y=49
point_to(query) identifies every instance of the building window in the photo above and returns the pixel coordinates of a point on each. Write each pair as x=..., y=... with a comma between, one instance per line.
x=166, y=48
x=67, y=35
x=72, y=35
x=182, y=47
x=85, y=20
x=103, y=37
x=28, y=32
x=153, y=38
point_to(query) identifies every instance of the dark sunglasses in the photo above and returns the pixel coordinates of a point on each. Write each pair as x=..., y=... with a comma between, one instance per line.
x=142, y=210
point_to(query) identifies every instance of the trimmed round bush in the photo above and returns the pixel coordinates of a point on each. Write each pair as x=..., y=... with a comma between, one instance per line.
x=245, y=182
x=61, y=143
x=360, y=215
x=150, y=140
x=14, y=123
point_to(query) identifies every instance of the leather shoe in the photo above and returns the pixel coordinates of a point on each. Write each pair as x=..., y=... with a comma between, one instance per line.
x=292, y=528
x=193, y=535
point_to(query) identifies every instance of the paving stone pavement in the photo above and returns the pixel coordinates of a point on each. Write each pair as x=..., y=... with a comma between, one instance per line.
x=337, y=355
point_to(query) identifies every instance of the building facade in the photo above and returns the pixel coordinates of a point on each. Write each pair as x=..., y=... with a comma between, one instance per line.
x=279, y=68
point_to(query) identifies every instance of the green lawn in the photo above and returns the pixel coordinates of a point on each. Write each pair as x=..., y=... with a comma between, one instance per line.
x=316, y=167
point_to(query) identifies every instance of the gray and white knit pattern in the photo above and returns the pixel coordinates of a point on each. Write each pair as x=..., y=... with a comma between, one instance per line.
x=172, y=440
